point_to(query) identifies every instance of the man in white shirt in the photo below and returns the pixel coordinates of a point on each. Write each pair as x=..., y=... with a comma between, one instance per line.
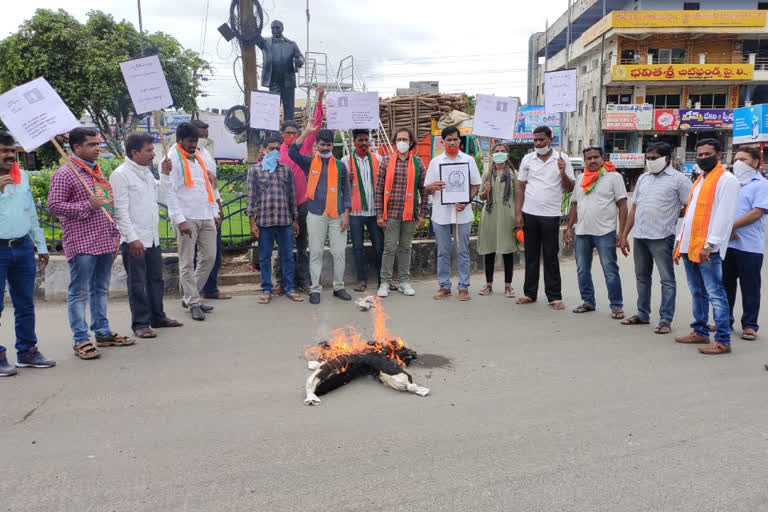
x=136, y=212
x=599, y=195
x=192, y=208
x=702, y=243
x=544, y=175
x=448, y=218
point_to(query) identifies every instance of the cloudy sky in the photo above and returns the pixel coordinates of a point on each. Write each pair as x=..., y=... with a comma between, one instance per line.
x=469, y=46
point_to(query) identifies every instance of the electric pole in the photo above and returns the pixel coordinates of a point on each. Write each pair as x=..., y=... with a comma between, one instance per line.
x=250, y=72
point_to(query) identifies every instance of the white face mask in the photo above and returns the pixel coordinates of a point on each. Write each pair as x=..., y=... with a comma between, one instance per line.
x=743, y=171
x=543, y=151
x=403, y=146
x=656, y=166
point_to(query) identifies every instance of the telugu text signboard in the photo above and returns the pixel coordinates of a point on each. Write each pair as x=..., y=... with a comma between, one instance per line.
x=628, y=160
x=666, y=119
x=628, y=117
x=681, y=72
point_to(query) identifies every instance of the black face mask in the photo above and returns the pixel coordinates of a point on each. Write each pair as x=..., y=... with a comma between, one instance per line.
x=707, y=164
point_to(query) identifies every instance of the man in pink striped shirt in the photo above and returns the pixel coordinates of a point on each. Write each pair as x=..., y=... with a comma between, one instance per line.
x=289, y=130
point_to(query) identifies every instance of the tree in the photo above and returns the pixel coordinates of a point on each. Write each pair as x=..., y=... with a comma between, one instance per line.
x=81, y=61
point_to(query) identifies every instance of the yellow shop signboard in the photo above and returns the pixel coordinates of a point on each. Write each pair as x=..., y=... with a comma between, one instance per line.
x=682, y=72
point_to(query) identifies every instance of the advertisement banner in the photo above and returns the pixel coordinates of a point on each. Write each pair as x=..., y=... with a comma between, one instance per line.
x=750, y=124
x=678, y=72
x=532, y=116
x=625, y=160
x=688, y=119
x=628, y=117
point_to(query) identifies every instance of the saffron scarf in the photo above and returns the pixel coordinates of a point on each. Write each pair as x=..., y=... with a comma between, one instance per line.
x=411, y=186
x=188, y=182
x=332, y=196
x=702, y=214
x=589, y=181
x=359, y=197
x=101, y=186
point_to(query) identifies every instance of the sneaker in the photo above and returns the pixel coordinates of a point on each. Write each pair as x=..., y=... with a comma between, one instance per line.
x=383, y=290
x=6, y=370
x=32, y=358
x=342, y=294
x=314, y=298
x=197, y=313
x=203, y=307
x=464, y=295
x=442, y=293
x=406, y=289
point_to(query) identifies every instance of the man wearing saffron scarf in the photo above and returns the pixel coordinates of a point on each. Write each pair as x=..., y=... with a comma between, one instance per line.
x=79, y=196
x=193, y=209
x=363, y=166
x=20, y=234
x=401, y=203
x=598, y=197
x=702, y=244
x=329, y=204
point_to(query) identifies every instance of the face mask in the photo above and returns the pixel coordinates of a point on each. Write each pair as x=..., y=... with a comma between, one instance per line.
x=500, y=158
x=269, y=163
x=289, y=139
x=707, y=164
x=452, y=151
x=656, y=166
x=325, y=154
x=361, y=152
x=743, y=172
x=403, y=146
x=543, y=151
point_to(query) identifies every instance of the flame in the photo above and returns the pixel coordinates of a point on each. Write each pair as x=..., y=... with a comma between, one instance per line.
x=347, y=341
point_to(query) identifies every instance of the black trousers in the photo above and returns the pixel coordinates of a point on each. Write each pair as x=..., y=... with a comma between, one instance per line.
x=145, y=286
x=287, y=95
x=542, y=241
x=509, y=266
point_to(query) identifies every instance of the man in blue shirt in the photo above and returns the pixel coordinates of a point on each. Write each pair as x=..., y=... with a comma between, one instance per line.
x=19, y=228
x=744, y=258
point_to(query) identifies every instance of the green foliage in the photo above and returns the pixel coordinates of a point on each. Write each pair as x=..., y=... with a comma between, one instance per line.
x=81, y=61
x=39, y=184
x=470, y=108
x=228, y=172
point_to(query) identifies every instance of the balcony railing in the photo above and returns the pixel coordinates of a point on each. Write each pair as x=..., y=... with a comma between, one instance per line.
x=709, y=58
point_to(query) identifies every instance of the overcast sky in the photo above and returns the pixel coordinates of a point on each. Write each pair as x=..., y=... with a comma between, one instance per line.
x=469, y=46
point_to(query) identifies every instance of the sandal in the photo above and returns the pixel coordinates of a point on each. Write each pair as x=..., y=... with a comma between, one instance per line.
x=635, y=320
x=663, y=328
x=145, y=333
x=486, y=291
x=86, y=350
x=617, y=314
x=558, y=305
x=114, y=340
x=584, y=308
x=265, y=298
x=749, y=334
x=509, y=292
x=295, y=297
x=167, y=322
x=524, y=300
x=361, y=287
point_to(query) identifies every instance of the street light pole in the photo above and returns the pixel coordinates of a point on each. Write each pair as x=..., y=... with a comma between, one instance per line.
x=141, y=30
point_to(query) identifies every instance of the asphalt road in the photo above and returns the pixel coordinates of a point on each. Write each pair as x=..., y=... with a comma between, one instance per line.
x=537, y=411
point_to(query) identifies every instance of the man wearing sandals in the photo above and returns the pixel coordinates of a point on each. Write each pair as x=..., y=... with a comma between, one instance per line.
x=702, y=244
x=599, y=196
x=659, y=198
x=81, y=197
x=273, y=215
x=137, y=216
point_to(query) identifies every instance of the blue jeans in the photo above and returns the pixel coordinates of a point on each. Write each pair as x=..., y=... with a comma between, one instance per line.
x=17, y=266
x=743, y=267
x=445, y=234
x=648, y=252
x=606, y=250
x=284, y=237
x=89, y=278
x=356, y=225
x=705, y=280
x=211, y=286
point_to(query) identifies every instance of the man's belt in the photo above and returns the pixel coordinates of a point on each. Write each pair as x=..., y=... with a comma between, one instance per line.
x=12, y=242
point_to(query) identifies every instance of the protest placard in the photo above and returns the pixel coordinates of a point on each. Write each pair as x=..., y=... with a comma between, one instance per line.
x=495, y=116
x=146, y=84
x=560, y=91
x=352, y=110
x=265, y=111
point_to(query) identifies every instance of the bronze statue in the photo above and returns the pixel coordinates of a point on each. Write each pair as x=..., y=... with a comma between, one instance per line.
x=282, y=60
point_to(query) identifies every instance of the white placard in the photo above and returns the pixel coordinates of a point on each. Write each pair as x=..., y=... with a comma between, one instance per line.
x=560, y=91
x=265, y=111
x=456, y=177
x=352, y=110
x=146, y=84
x=35, y=113
x=495, y=116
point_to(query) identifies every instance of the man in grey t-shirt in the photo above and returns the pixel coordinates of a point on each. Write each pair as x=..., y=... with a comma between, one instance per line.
x=598, y=197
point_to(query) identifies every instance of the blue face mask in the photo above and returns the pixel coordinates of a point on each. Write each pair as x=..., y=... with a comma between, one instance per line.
x=325, y=154
x=269, y=163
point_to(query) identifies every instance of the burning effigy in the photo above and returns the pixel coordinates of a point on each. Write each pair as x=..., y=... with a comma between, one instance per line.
x=345, y=355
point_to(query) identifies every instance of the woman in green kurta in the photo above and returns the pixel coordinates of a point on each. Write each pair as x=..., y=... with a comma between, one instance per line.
x=497, y=226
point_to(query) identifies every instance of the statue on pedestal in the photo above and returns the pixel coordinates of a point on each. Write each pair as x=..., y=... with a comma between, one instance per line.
x=282, y=60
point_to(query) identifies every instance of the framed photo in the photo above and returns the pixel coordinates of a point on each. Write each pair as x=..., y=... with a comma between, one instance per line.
x=456, y=178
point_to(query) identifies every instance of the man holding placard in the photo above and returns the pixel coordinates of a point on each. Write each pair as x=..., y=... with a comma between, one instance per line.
x=81, y=197
x=193, y=209
x=454, y=180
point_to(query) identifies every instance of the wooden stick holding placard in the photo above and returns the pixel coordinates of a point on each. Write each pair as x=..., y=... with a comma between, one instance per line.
x=156, y=115
x=87, y=187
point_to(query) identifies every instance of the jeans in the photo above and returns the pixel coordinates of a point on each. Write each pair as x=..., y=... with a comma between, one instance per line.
x=743, y=267
x=490, y=264
x=301, y=271
x=284, y=237
x=445, y=234
x=705, y=280
x=648, y=252
x=606, y=250
x=145, y=286
x=542, y=241
x=89, y=279
x=192, y=277
x=17, y=266
x=357, y=224
x=212, y=284
x=321, y=226
x=398, y=239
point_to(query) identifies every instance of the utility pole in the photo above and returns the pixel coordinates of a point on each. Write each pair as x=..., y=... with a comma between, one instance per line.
x=600, y=91
x=250, y=72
